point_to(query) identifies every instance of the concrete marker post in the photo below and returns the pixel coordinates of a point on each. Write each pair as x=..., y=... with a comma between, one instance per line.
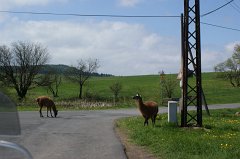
x=172, y=112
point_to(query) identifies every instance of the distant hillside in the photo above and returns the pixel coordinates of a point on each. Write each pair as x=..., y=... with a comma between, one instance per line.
x=56, y=68
x=60, y=69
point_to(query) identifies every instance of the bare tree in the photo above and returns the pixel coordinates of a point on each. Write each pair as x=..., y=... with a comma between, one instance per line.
x=20, y=63
x=51, y=80
x=82, y=72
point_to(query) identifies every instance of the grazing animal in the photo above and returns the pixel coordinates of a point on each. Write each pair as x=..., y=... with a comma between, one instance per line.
x=47, y=102
x=148, y=109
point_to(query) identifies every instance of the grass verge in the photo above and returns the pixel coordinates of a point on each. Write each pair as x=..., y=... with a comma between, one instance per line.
x=219, y=138
x=70, y=108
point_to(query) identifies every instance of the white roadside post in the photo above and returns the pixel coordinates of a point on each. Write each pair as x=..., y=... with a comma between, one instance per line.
x=172, y=112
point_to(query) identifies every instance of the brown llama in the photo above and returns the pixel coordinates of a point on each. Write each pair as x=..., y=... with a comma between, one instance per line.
x=47, y=102
x=148, y=109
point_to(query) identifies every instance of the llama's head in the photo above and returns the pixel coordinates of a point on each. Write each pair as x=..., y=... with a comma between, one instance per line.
x=137, y=97
x=55, y=112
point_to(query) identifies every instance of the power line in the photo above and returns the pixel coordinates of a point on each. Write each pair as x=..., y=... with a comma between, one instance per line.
x=217, y=8
x=219, y=26
x=113, y=16
x=235, y=6
x=237, y=3
x=91, y=15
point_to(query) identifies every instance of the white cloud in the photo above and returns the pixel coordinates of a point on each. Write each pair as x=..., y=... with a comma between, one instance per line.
x=19, y=3
x=230, y=47
x=129, y=3
x=212, y=57
x=122, y=48
x=13, y=4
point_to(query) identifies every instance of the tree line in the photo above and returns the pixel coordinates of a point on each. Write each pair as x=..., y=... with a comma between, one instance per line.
x=61, y=69
x=22, y=63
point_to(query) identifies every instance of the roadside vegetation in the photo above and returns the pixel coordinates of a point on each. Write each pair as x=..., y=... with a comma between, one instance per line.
x=219, y=138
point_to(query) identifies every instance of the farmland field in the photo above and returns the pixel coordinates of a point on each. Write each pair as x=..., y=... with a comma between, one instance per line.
x=217, y=91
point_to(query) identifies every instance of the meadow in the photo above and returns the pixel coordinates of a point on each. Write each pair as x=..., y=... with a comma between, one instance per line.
x=217, y=91
x=219, y=138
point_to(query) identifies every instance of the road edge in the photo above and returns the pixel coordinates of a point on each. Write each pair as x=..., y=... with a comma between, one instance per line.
x=131, y=150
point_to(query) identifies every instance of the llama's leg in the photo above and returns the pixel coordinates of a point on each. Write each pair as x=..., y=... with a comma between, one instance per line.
x=153, y=119
x=51, y=111
x=47, y=112
x=40, y=111
x=146, y=121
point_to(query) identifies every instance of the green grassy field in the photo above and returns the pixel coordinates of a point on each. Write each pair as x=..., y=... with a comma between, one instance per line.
x=217, y=91
x=219, y=138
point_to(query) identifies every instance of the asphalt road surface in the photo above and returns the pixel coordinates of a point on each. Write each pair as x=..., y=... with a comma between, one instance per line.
x=73, y=134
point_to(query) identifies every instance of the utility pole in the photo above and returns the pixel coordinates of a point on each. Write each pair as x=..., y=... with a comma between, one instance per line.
x=191, y=55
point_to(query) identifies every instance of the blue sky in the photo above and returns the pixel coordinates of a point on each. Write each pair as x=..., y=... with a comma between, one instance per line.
x=124, y=46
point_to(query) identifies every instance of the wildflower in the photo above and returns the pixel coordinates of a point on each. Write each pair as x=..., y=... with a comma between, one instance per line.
x=225, y=146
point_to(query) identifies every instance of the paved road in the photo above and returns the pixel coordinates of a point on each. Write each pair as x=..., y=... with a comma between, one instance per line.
x=74, y=134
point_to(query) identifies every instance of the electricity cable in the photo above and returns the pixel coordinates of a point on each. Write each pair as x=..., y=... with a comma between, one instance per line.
x=235, y=6
x=91, y=15
x=216, y=9
x=219, y=26
x=114, y=16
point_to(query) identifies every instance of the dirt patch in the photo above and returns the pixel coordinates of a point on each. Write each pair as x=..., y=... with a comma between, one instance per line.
x=132, y=151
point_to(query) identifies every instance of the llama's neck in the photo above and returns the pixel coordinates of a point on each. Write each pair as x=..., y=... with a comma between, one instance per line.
x=140, y=103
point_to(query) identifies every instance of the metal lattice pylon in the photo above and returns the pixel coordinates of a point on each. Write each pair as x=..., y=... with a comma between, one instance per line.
x=191, y=55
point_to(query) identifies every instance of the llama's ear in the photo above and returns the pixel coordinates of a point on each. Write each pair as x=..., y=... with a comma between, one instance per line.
x=138, y=95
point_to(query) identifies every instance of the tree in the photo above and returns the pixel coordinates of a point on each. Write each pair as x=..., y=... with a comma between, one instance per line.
x=51, y=80
x=168, y=85
x=230, y=69
x=82, y=72
x=116, y=88
x=20, y=63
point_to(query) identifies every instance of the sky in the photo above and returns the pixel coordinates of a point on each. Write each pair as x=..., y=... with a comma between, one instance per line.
x=123, y=46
